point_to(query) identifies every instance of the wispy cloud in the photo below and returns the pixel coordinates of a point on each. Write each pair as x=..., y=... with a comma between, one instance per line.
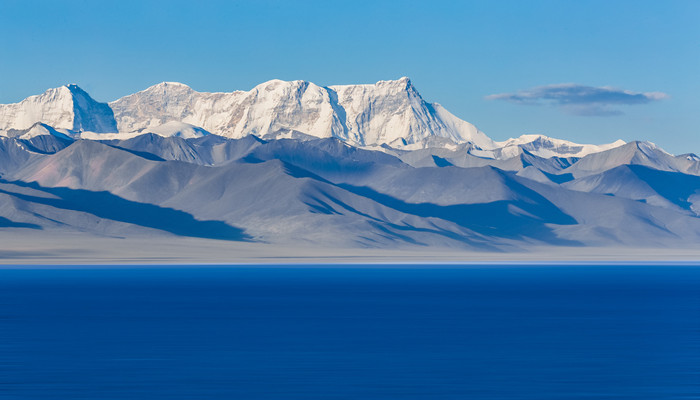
x=580, y=99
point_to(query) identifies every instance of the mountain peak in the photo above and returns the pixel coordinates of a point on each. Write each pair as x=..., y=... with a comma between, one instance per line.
x=404, y=80
x=168, y=86
x=403, y=83
x=173, y=84
x=365, y=114
x=74, y=90
x=66, y=107
x=274, y=83
x=545, y=146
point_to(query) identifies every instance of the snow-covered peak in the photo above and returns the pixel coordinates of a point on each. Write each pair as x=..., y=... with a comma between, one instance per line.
x=36, y=130
x=370, y=114
x=164, y=89
x=278, y=92
x=160, y=92
x=402, y=84
x=66, y=107
x=40, y=129
x=544, y=146
x=168, y=129
x=179, y=129
x=169, y=86
x=275, y=84
x=388, y=112
x=399, y=86
x=393, y=112
x=649, y=147
x=175, y=84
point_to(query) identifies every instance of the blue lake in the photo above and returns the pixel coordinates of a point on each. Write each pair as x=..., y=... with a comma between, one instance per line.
x=369, y=332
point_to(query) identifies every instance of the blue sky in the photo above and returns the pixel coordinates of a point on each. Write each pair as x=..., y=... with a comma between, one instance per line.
x=589, y=71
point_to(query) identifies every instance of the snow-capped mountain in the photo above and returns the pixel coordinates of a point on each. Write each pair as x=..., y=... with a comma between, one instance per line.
x=354, y=165
x=168, y=129
x=37, y=130
x=546, y=147
x=387, y=114
x=67, y=107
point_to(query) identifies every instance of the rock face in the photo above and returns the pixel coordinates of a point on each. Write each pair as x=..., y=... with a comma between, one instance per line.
x=383, y=113
x=67, y=107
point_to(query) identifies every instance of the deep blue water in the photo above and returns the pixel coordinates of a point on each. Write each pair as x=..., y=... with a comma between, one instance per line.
x=373, y=332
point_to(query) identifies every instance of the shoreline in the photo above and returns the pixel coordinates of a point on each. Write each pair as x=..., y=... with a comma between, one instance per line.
x=69, y=248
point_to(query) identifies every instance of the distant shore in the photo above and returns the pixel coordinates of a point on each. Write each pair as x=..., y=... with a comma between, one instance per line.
x=67, y=248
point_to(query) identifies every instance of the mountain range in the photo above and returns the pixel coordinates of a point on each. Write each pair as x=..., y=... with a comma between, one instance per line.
x=352, y=165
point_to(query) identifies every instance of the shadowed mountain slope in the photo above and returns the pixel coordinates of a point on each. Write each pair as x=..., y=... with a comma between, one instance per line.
x=103, y=213
x=325, y=192
x=634, y=153
x=660, y=188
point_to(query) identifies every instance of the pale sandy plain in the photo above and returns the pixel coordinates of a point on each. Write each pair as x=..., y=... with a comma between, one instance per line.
x=20, y=247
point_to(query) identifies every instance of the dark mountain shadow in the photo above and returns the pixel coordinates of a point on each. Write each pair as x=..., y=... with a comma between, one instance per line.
x=142, y=154
x=329, y=156
x=505, y=219
x=391, y=231
x=441, y=162
x=205, y=150
x=208, y=140
x=558, y=178
x=339, y=109
x=13, y=157
x=112, y=207
x=7, y=223
x=676, y=187
x=213, y=140
x=46, y=144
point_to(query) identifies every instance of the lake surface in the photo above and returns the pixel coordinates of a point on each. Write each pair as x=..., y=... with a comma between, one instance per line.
x=369, y=332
